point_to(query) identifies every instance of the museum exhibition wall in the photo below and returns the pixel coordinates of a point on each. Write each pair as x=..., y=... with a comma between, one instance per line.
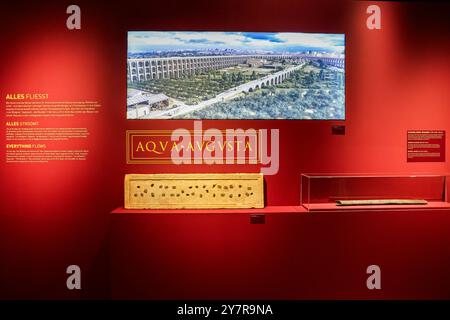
x=225, y=150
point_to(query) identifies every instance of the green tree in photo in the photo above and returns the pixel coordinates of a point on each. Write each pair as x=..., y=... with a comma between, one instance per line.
x=225, y=77
x=321, y=75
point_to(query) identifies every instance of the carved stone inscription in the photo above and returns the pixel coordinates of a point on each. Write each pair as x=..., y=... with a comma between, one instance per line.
x=195, y=191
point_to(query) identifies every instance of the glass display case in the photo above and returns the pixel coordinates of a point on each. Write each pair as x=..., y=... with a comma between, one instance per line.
x=349, y=192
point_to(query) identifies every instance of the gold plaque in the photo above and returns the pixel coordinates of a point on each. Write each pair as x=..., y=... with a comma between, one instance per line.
x=194, y=191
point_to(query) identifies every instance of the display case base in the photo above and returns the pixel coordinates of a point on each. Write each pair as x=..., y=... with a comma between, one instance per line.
x=317, y=207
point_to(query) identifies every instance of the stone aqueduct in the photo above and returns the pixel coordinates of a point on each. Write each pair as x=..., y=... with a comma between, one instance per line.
x=269, y=80
x=176, y=67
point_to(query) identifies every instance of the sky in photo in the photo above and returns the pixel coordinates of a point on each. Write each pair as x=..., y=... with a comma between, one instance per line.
x=143, y=41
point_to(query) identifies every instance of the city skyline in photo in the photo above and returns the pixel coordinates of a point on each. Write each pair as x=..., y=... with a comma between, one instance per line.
x=286, y=42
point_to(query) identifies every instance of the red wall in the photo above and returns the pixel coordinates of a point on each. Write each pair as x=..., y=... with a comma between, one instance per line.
x=54, y=215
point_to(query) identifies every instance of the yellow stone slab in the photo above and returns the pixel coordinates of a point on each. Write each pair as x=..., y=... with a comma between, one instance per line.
x=194, y=191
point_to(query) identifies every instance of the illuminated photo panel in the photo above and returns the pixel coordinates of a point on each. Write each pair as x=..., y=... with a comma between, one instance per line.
x=235, y=75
